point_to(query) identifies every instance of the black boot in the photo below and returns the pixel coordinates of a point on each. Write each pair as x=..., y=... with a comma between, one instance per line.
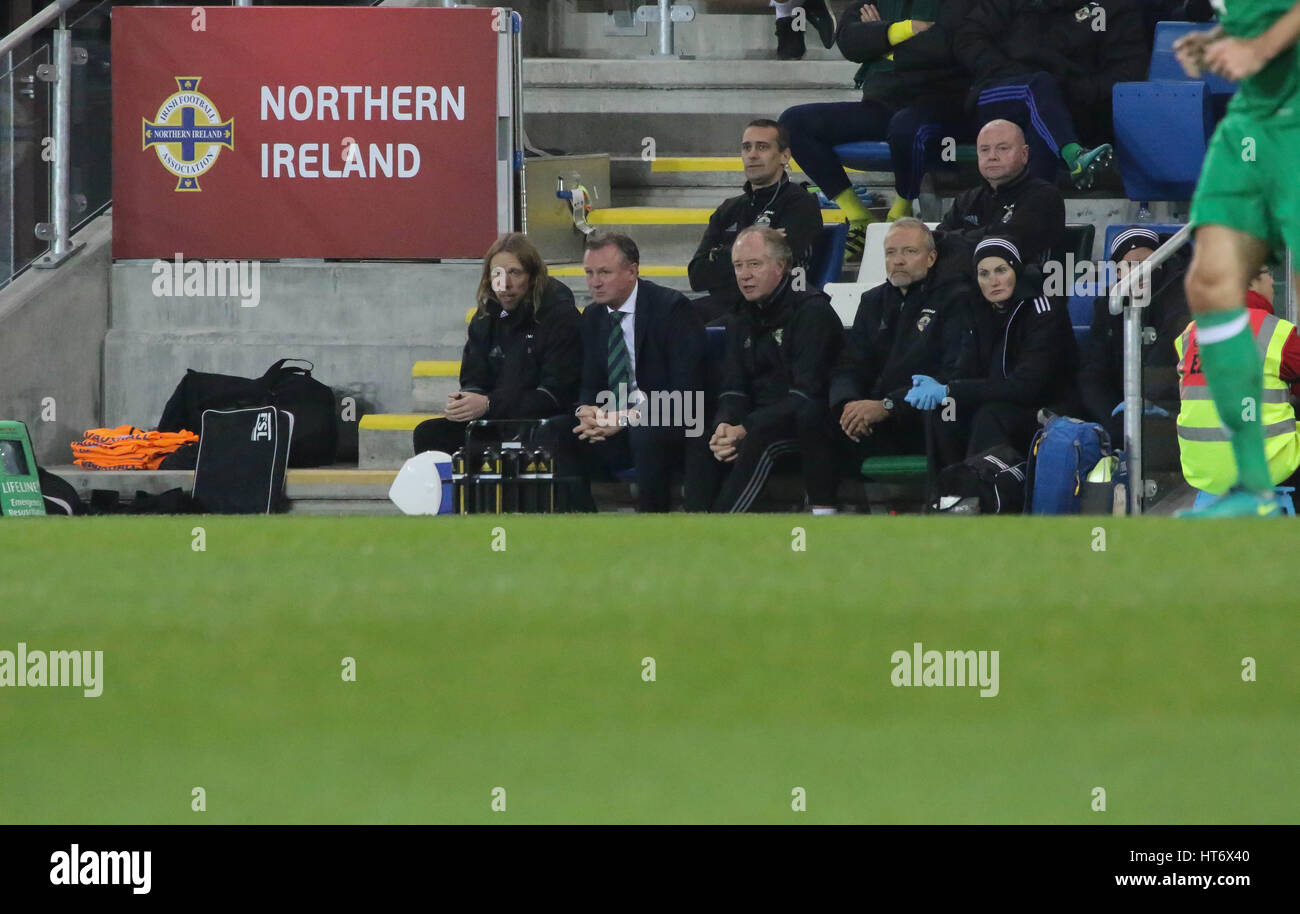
x=789, y=43
x=822, y=19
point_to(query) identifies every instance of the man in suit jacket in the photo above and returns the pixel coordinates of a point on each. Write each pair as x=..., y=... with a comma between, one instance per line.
x=643, y=346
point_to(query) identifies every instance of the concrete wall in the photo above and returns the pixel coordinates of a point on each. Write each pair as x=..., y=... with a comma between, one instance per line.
x=362, y=324
x=52, y=325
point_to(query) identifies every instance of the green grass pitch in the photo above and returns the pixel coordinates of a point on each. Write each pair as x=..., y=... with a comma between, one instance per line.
x=522, y=669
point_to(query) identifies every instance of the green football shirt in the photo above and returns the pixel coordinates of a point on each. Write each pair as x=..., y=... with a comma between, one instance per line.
x=1273, y=92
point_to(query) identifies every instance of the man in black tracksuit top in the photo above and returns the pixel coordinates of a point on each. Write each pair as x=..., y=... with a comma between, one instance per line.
x=771, y=199
x=526, y=361
x=908, y=325
x=781, y=347
x=1101, y=367
x=1009, y=202
x=1050, y=66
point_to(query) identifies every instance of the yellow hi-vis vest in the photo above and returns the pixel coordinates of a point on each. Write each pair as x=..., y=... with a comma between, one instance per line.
x=1203, y=443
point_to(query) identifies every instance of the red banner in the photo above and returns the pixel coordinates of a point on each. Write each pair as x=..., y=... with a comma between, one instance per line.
x=267, y=132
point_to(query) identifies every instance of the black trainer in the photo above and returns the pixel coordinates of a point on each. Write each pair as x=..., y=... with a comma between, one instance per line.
x=789, y=43
x=822, y=19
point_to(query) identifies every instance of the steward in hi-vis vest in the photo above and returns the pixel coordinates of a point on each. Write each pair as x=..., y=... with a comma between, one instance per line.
x=1203, y=443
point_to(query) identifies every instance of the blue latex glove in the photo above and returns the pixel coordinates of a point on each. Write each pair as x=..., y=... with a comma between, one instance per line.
x=926, y=392
x=1148, y=408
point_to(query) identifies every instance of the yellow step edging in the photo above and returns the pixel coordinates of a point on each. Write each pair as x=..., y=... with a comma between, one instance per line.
x=327, y=477
x=667, y=215
x=669, y=164
x=645, y=270
x=435, y=369
x=395, y=422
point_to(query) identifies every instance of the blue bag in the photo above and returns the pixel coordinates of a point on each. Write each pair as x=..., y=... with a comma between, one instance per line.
x=1062, y=454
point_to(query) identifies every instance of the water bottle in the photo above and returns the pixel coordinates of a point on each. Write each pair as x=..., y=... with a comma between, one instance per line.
x=459, y=483
x=487, y=489
x=512, y=455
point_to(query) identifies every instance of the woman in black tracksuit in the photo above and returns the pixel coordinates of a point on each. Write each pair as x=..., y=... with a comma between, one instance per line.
x=523, y=358
x=1016, y=356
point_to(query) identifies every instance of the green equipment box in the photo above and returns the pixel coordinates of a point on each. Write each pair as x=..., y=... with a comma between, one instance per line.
x=20, y=486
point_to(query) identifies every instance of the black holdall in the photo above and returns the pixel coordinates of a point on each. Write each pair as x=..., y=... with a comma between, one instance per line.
x=242, y=458
x=290, y=388
x=992, y=482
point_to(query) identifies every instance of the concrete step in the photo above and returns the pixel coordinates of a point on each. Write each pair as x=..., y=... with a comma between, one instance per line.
x=667, y=235
x=334, y=300
x=730, y=29
x=701, y=181
x=432, y=382
x=673, y=277
x=687, y=107
x=385, y=439
x=324, y=490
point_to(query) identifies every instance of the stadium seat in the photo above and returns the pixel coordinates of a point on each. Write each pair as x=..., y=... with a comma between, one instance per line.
x=1158, y=128
x=874, y=156
x=872, y=269
x=1165, y=66
x=827, y=259
x=1161, y=133
x=888, y=469
x=845, y=297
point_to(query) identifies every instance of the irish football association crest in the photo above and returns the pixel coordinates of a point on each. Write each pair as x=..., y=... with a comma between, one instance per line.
x=187, y=133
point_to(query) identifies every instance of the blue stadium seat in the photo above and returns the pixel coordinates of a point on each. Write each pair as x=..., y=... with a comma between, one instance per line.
x=827, y=259
x=1160, y=129
x=1161, y=133
x=874, y=156
x=715, y=344
x=865, y=156
x=1164, y=65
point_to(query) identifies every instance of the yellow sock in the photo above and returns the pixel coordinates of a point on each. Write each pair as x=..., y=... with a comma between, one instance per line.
x=848, y=201
x=900, y=209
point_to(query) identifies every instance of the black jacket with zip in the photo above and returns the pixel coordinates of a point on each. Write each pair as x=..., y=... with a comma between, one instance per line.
x=784, y=205
x=780, y=354
x=1028, y=210
x=1101, y=367
x=1023, y=354
x=528, y=363
x=895, y=336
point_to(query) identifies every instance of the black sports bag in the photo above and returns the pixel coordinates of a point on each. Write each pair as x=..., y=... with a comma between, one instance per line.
x=290, y=388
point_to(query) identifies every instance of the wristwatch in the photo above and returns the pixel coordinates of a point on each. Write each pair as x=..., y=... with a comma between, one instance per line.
x=888, y=404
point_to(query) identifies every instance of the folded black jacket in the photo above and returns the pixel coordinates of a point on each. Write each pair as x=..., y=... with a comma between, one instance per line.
x=528, y=364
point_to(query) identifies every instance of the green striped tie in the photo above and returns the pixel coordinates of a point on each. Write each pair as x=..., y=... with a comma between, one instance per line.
x=620, y=365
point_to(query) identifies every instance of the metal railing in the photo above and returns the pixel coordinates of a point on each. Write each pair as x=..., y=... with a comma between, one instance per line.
x=1133, y=404
x=56, y=231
